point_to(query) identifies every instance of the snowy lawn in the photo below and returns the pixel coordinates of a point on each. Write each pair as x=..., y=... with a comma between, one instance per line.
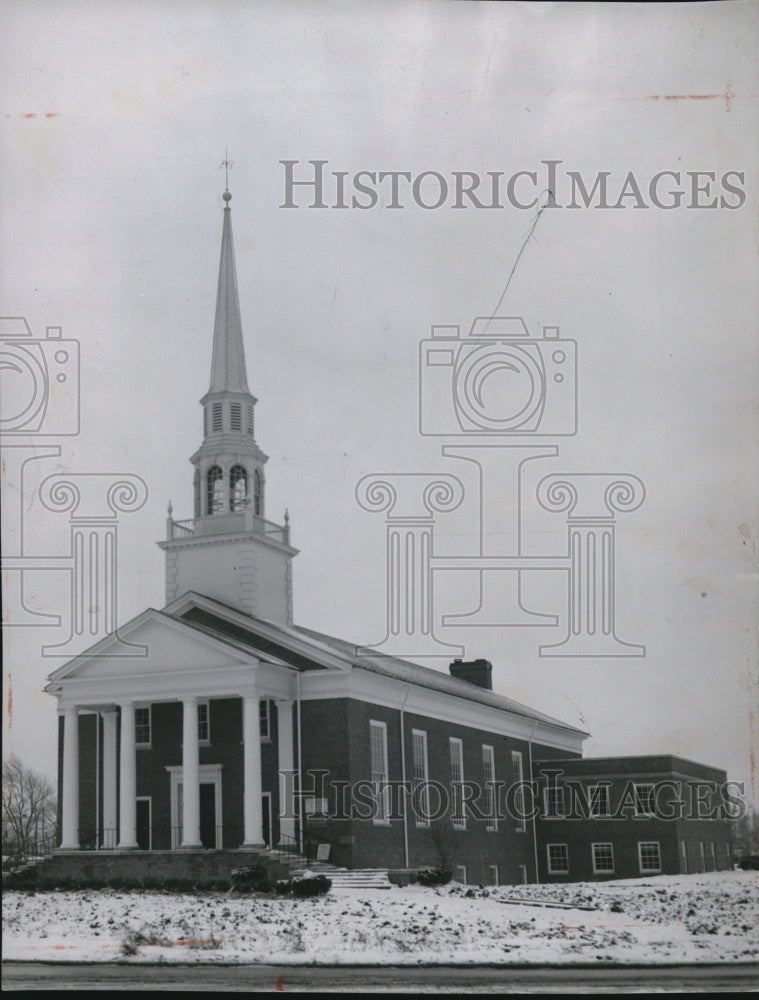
x=668, y=919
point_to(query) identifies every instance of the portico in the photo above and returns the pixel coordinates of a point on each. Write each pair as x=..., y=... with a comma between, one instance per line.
x=194, y=712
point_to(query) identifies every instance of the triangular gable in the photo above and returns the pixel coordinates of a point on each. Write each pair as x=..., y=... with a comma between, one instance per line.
x=168, y=644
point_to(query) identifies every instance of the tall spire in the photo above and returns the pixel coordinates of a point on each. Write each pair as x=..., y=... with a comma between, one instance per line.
x=228, y=362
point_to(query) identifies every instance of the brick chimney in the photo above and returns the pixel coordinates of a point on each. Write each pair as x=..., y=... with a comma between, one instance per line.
x=477, y=672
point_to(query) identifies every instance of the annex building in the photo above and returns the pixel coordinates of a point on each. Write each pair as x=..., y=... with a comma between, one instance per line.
x=241, y=731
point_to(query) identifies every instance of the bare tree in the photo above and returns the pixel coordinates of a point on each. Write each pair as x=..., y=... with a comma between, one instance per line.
x=444, y=839
x=29, y=809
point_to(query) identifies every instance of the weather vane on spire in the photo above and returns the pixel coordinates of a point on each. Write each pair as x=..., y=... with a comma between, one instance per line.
x=226, y=163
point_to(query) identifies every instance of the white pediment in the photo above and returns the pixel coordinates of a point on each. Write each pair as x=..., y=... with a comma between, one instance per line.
x=172, y=660
x=149, y=644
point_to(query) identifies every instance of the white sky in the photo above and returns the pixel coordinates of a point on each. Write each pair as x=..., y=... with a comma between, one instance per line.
x=111, y=228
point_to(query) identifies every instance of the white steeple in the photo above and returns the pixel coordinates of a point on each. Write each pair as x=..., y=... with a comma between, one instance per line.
x=229, y=551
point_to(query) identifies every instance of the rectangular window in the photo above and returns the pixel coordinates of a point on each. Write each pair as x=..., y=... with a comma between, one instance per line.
x=205, y=421
x=726, y=856
x=457, y=777
x=683, y=857
x=523, y=875
x=142, y=733
x=204, y=722
x=493, y=872
x=488, y=777
x=603, y=858
x=517, y=776
x=216, y=417
x=558, y=859
x=264, y=715
x=460, y=875
x=599, y=801
x=644, y=800
x=379, y=775
x=250, y=420
x=235, y=416
x=553, y=800
x=420, y=793
x=649, y=856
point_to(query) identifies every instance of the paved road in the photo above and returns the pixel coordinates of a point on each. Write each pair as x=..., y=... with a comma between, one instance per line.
x=384, y=979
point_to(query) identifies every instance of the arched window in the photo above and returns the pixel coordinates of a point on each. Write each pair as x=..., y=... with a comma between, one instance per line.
x=214, y=490
x=258, y=494
x=238, y=488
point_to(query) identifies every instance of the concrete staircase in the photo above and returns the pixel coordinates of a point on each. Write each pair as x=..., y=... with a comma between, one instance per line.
x=346, y=878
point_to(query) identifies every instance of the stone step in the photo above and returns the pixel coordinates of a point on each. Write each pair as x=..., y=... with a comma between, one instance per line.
x=358, y=878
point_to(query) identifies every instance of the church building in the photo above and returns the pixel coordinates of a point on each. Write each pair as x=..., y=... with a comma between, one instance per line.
x=238, y=730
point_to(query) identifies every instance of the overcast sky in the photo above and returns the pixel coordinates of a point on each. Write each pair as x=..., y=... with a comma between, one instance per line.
x=116, y=120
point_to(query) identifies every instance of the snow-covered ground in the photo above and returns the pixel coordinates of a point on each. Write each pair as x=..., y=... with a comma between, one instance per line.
x=668, y=919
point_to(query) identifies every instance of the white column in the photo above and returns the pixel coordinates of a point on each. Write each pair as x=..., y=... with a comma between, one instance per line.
x=110, y=821
x=70, y=810
x=190, y=775
x=285, y=757
x=252, y=812
x=127, y=780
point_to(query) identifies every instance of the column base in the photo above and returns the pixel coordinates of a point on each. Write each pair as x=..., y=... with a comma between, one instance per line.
x=66, y=848
x=128, y=847
x=592, y=646
x=252, y=847
x=191, y=847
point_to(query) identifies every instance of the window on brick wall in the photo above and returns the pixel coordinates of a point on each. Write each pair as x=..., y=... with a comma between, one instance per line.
x=456, y=751
x=264, y=715
x=558, y=859
x=517, y=776
x=493, y=874
x=460, y=875
x=142, y=733
x=598, y=797
x=553, y=801
x=603, y=858
x=649, y=856
x=204, y=722
x=488, y=787
x=379, y=771
x=420, y=794
x=645, y=799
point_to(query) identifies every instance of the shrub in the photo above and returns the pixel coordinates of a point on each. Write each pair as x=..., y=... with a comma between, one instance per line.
x=310, y=885
x=254, y=878
x=434, y=876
